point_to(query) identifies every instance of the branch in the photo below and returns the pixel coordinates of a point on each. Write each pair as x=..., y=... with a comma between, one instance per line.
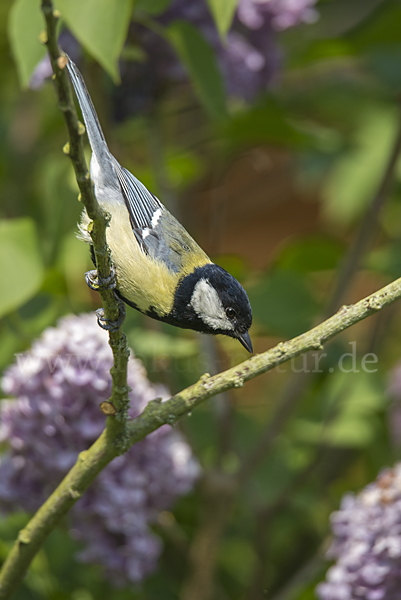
x=100, y=219
x=158, y=413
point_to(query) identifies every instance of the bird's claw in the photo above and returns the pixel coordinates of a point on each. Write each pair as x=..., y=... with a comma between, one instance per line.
x=96, y=284
x=107, y=323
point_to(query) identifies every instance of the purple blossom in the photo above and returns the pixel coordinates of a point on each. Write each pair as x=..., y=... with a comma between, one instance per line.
x=58, y=386
x=367, y=543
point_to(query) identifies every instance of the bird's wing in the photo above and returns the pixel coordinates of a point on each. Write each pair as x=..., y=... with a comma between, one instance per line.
x=141, y=204
x=157, y=232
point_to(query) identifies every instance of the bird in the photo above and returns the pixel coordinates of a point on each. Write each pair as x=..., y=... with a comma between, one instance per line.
x=160, y=270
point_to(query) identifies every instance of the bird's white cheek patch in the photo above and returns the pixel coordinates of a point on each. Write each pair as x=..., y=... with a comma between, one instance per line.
x=206, y=303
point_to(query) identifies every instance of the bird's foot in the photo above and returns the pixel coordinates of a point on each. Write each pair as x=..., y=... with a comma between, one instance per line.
x=107, y=323
x=95, y=283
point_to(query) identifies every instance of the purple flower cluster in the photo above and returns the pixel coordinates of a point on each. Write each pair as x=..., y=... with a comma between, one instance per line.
x=57, y=387
x=367, y=543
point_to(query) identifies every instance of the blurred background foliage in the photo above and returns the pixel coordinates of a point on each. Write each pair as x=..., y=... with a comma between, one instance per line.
x=276, y=185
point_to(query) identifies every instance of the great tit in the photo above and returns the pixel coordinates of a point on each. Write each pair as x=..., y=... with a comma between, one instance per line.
x=160, y=270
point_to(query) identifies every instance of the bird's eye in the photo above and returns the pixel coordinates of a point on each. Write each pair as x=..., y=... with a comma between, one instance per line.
x=230, y=312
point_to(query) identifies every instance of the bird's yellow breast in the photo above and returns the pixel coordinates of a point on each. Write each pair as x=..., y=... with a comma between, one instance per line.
x=141, y=279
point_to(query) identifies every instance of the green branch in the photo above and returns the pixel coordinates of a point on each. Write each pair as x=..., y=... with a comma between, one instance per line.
x=158, y=413
x=119, y=399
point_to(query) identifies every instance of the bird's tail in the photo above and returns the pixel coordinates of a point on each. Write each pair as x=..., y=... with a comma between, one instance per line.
x=93, y=128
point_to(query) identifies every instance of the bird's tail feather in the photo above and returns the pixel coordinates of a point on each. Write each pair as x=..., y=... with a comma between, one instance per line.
x=93, y=128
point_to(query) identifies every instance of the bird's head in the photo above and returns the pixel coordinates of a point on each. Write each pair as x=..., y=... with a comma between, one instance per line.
x=214, y=302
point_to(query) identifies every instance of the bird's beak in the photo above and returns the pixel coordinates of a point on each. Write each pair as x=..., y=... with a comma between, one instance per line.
x=245, y=341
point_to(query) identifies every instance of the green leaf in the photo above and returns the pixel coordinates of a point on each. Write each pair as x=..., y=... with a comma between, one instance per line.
x=199, y=59
x=21, y=265
x=283, y=303
x=101, y=27
x=223, y=14
x=25, y=23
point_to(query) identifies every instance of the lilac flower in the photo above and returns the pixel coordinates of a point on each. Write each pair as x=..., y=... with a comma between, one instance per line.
x=58, y=386
x=367, y=543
